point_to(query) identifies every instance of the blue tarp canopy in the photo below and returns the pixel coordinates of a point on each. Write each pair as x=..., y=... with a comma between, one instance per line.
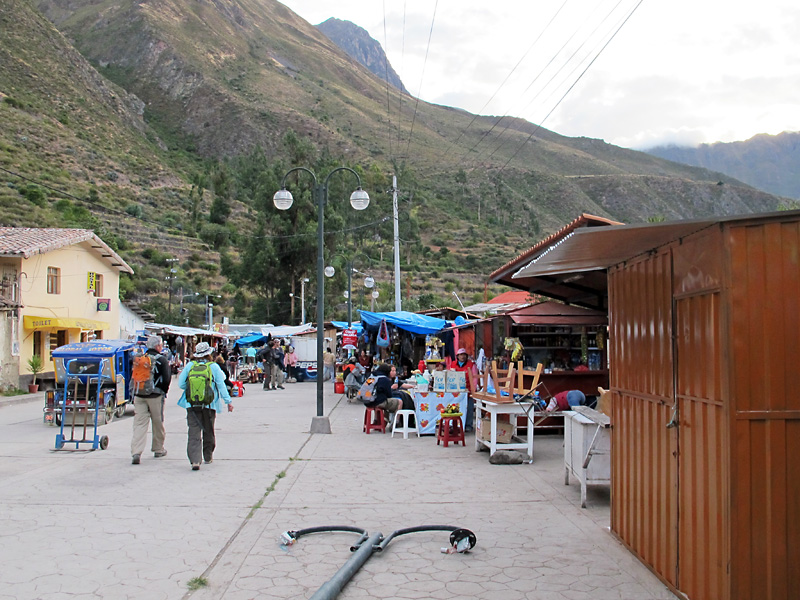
x=250, y=340
x=343, y=325
x=402, y=319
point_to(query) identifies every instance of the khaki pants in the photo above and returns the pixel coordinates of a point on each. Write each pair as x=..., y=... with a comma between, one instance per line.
x=148, y=410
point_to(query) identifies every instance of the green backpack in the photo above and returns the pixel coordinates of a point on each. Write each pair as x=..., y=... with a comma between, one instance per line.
x=200, y=382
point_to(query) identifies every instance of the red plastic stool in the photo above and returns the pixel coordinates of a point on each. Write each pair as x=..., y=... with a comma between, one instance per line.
x=450, y=430
x=239, y=386
x=374, y=419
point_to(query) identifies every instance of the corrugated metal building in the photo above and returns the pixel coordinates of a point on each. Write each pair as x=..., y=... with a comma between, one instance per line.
x=703, y=351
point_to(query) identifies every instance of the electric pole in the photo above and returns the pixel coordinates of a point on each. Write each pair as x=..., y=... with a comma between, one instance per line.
x=397, y=300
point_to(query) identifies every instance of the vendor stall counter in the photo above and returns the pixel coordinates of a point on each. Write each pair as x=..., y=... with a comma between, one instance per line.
x=428, y=407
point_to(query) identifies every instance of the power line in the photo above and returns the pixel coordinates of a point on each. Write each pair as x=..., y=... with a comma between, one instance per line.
x=556, y=74
x=510, y=73
x=386, y=76
x=421, y=78
x=539, y=126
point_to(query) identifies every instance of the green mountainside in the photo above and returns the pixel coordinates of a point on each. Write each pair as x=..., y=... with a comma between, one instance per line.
x=167, y=126
x=767, y=162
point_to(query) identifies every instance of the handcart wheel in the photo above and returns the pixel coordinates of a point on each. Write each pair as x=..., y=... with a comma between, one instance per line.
x=110, y=412
x=104, y=442
x=120, y=412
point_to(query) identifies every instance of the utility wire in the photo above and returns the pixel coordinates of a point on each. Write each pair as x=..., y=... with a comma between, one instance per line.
x=386, y=76
x=539, y=126
x=497, y=91
x=238, y=233
x=535, y=79
x=421, y=78
x=556, y=74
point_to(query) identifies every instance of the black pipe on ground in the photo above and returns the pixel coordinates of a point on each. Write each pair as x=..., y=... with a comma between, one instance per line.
x=368, y=544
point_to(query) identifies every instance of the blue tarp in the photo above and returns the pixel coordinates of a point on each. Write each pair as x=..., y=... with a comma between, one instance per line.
x=250, y=340
x=407, y=321
x=343, y=325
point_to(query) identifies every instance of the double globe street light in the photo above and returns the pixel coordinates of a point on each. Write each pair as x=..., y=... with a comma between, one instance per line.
x=283, y=200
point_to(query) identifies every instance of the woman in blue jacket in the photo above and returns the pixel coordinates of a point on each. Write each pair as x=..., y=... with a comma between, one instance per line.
x=201, y=414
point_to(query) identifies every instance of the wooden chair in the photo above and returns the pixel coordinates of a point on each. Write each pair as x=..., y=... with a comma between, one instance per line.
x=536, y=374
x=501, y=384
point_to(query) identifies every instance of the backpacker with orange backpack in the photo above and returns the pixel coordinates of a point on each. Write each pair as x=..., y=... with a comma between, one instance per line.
x=143, y=375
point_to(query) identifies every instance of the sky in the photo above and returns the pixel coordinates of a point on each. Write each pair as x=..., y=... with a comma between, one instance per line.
x=636, y=73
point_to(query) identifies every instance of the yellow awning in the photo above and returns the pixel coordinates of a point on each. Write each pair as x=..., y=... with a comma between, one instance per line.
x=31, y=322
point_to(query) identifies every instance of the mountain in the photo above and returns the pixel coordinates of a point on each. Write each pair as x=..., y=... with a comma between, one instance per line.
x=767, y=162
x=358, y=44
x=169, y=124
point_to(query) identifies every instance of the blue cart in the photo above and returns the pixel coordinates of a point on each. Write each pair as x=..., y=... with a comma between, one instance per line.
x=91, y=389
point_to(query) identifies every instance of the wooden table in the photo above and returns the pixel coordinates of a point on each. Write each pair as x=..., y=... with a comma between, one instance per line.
x=507, y=408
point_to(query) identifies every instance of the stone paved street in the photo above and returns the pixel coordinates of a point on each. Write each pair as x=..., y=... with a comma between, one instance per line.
x=86, y=525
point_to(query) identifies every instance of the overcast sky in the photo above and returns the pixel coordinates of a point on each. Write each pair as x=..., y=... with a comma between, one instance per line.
x=678, y=71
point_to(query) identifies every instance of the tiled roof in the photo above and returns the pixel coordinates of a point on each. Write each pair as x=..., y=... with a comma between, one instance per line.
x=25, y=242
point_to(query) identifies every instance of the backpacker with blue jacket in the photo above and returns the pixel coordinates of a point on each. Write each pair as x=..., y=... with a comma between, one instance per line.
x=200, y=385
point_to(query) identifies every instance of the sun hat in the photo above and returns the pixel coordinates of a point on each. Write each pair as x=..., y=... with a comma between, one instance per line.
x=462, y=351
x=154, y=341
x=202, y=349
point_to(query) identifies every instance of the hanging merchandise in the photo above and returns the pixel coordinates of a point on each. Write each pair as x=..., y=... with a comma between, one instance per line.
x=407, y=345
x=514, y=346
x=432, y=345
x=383, y=335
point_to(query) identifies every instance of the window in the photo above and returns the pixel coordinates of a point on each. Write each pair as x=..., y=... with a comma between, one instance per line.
x=98, y=285
x=53, y=280
x=37, y=343
x=57, y=339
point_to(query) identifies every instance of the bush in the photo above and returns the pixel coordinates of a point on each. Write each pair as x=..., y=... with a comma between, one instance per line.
x=35, y=194
x=134, y=210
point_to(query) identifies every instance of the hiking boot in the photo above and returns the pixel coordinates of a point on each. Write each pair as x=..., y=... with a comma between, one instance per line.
x=161, y=454
x=280, y=387
x=195, y=466
x=136, y=459
x=209, y=460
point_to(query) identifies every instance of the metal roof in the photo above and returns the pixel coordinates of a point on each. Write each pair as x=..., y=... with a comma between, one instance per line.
x=597, y=249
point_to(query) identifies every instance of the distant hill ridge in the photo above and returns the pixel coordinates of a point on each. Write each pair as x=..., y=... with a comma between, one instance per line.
x=358, y=44
x=767, y=162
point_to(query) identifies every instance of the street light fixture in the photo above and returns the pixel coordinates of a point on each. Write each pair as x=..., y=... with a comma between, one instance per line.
x=283, y=200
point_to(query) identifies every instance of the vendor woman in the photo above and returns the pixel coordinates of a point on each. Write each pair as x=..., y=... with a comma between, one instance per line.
x=463, y=363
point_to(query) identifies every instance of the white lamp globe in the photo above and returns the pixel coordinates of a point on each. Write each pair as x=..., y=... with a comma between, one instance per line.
x=283, y=199
x=369, y=282
x=359, y=199
x=375, y=293
x=346, y=294
x=330, y=271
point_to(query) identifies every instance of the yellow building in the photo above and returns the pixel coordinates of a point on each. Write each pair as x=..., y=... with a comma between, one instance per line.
x=67, y=282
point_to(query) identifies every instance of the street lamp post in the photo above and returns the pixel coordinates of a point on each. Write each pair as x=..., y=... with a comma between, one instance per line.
x=210, y=310
x=283, y=199
x=303, y=283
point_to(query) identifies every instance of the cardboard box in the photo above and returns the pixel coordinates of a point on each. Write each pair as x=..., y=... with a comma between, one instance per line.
x=456, y=382
x=504, y=431
x=439, y=382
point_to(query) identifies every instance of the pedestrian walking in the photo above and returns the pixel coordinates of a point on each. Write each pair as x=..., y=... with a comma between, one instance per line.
x=151, y=378
x=276, y=371
x=265, y=358
x=203, y=385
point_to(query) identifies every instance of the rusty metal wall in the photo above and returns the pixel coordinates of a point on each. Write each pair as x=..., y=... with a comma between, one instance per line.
x=764, y=323
x=703, y=467
x=644, y=489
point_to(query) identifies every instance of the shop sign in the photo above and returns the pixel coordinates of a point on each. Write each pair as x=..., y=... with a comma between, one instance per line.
x=349, y=339
x=91, y=282
x=104, y=304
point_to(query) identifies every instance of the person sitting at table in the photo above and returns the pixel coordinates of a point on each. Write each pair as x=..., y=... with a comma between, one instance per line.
x=385, y=395
x=565, y=400
x=463, y=363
